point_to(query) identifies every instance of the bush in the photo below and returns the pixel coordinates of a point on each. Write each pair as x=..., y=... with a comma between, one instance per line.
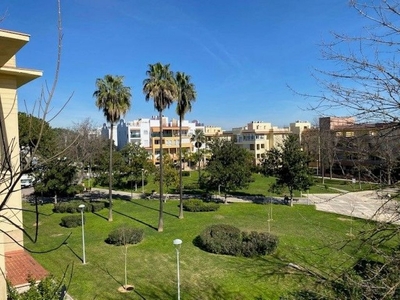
x=73, y=207
x=227, y=239
x=72, y=221
x=186, y=173
x=196, y=205
x=221, y=239
x=125, y=235
x=97, y=206
x=255, y=243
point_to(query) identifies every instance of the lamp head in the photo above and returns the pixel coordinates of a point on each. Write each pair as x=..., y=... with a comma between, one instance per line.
x=177, y=243
x=82, y=207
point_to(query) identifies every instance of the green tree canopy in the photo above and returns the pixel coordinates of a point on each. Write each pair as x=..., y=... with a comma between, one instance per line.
x=290, y=166
x=229, y=167
x=35, y=132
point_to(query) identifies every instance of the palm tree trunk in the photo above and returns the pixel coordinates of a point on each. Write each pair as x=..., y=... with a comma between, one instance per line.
x=160, y=213
x=110, y=168
x=180, y=169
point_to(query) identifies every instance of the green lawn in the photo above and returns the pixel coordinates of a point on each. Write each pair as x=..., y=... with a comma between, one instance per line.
x=260, y=186
x=306, y=238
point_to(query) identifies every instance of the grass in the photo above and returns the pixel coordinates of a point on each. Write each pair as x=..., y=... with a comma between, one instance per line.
x=261, y=184
x=307, y=237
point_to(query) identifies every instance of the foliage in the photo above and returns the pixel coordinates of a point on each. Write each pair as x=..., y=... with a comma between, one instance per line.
x=73, y=206
x=72, y=221
x=170, y=174
x=32, y=135
x=56, y=178
x=290, y=165
x=227, y=239
x=197, y=205
x=221, y=239
x=134, y=164
x=49, y=288
x=125, y=235
x=229, y=167
x=258, y=243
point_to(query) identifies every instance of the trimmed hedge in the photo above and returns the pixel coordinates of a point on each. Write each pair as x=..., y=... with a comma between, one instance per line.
x=73, y=206
x=72, y=221
x=221, y=239
x=196, y=205
x=227, y=239
x=125, y=235
x=258, y=243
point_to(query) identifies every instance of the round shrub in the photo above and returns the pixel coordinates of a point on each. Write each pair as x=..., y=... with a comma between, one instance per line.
x=125, y=235
x=196, y=205
x=72, y=221
x=258, y=243
x=221, y=239
x=227, y=239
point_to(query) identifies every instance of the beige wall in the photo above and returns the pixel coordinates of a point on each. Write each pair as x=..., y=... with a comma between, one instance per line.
x=11, y=78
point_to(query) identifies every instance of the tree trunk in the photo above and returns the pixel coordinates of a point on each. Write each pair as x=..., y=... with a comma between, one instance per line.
x=180, y=170
x=160, y=213
x=110, y=217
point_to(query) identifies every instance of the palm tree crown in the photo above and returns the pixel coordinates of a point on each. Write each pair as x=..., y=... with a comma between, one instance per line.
x=112, y=97
x=186, y=93
x=160, y=86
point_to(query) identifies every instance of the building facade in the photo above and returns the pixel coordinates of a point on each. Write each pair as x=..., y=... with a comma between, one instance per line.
x=146, y=133
x=11, y=78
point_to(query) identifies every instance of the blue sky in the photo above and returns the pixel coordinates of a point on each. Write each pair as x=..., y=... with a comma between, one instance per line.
x=241, y=55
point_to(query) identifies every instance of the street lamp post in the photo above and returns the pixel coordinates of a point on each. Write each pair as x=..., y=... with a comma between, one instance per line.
x=82, y=208
x=142, y=181
x=177, y=244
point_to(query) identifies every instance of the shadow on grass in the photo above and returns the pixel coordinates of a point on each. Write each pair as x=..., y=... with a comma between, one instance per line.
x=73, y=252
x=155, y=209
x=137, y=220
x=97, y=214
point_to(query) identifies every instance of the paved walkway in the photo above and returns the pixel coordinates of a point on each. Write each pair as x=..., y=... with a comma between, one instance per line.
x=365, y=204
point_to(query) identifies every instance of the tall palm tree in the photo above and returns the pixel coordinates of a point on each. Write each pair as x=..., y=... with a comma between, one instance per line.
x=115, y=100
x=161, y=87
x=186, y=95
x=198, y=138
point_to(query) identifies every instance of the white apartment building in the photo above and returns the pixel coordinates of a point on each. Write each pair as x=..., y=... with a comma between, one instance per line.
x=146, y=133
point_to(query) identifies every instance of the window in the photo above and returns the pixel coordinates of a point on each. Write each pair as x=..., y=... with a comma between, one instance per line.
x=252, y=147
x=135, y=133
x=262, y=146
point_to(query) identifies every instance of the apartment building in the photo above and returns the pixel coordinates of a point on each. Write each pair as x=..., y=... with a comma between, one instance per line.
x=346, y=148
x=259, y=137
x=11, y=78
x=146, y=132
x=299, y=127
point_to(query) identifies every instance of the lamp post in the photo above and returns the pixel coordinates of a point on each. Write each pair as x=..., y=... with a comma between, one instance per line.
x=82, y=208
x=177, y=244
x=142, y=181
